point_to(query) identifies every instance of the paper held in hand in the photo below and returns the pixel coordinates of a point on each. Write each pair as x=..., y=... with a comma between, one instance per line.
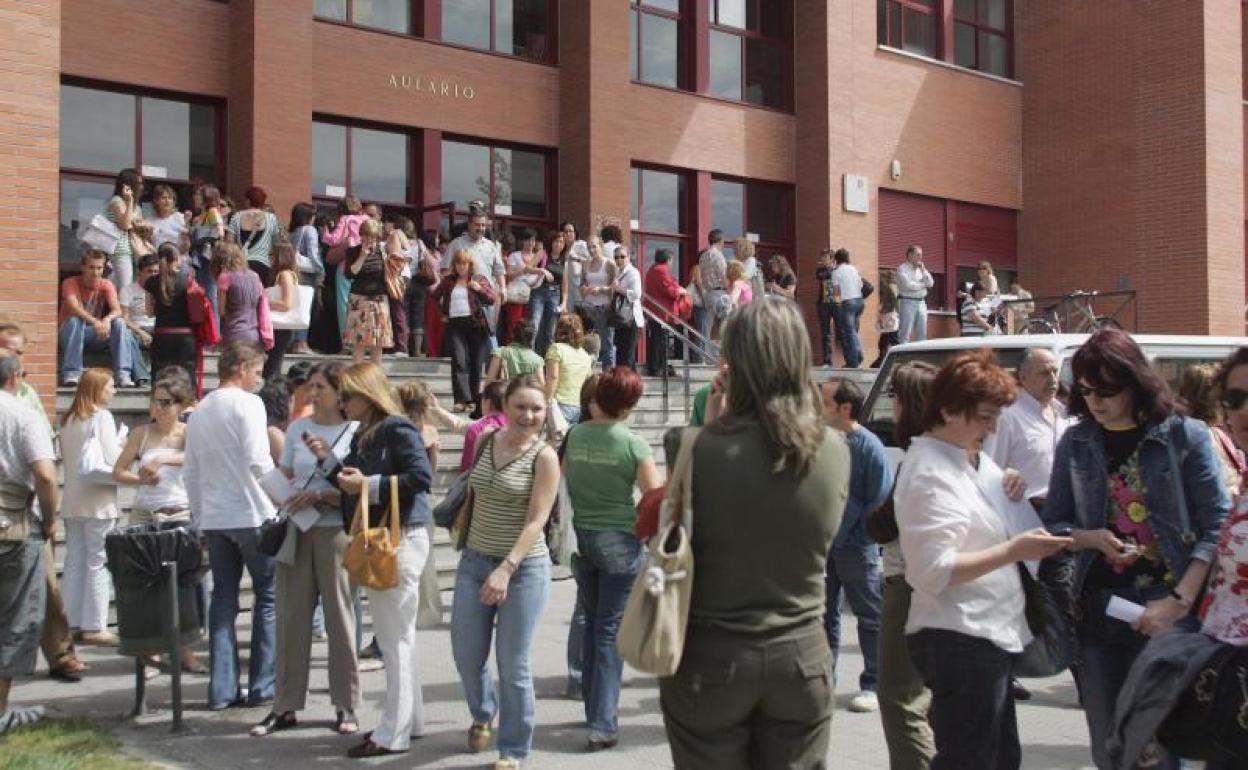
x=279, y=489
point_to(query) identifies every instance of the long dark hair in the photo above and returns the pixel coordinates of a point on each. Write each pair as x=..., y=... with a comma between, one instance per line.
x=1110, y=359
x=170, y=260
x=128, y=177
x=301, y=214
x=910, y=383
x=568, y=243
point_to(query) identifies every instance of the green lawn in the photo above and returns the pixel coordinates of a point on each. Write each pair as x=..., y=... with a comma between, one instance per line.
x=65, y=744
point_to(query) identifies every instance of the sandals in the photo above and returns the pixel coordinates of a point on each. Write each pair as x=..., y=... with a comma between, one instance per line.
x=479, y=737
x=273, y=723
x=347, y=724
x=369, y=749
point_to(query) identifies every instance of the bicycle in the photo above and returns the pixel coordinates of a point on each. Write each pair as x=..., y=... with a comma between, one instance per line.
x=1081, y=317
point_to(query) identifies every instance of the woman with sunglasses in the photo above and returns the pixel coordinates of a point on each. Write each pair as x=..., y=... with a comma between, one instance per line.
x=1140, y=491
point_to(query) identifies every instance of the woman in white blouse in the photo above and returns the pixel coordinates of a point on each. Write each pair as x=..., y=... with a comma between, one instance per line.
x=627, y=285
x=966, y=620
x=89, y=509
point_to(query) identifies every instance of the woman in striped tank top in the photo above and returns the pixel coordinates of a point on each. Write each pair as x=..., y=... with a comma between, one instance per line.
x=503, y=580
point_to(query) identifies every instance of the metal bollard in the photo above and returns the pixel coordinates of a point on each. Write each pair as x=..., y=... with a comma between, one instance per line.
x=173, y=638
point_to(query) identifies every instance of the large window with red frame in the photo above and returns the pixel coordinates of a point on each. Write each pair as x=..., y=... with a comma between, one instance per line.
x=388, y=15
x=170, y=140
x=661, y=219
x=761, y=212
x=372, y=164
x=979, y=37
x=657, y=51
x=750, y=44
x=513, y=182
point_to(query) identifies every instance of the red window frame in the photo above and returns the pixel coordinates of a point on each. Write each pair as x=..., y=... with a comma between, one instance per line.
x=763, y=250
x=550, y=172
x=414, y=17
x=947, y=21
x=411, y=188
x=784, y=44
x=641, y=233
x=897, y=38
x=981, y=26
x=638, y=9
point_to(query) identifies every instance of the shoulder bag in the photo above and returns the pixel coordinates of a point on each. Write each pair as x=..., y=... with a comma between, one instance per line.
x=92, y=467
x=100, y=233
x=372, y=557
x=652, y=631
x=517, y=293
x=299, y=316
x=459, y=495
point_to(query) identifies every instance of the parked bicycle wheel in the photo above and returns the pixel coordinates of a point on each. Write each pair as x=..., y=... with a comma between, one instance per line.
x=1039, y=326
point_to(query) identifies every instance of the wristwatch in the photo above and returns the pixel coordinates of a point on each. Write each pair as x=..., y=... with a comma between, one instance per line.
x=1178, y=597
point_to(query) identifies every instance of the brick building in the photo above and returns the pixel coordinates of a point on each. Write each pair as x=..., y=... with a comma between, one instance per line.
x=1075, y=144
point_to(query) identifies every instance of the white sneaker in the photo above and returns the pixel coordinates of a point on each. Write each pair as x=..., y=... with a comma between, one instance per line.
x=864, y=702
x=20, y=717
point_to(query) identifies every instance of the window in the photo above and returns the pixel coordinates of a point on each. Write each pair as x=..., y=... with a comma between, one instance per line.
x=513, y=27
x=980, y=32
x=371, y=164
x=170, y=141
x=513, y=182
x=909, y=25
x=657, y=53
x=660, y=211
x=756, y=210
x=750, y=51
x=389, y=15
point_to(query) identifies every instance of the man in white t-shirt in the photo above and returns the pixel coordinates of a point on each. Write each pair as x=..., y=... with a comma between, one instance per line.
x=27, y=471
x=227, y=451
x=133, y=298
x=847, y=306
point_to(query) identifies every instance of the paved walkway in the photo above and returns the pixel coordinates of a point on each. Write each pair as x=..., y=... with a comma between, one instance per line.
x=1053, y=731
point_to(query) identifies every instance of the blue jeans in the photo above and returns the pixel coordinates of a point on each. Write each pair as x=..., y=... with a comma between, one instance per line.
x=77, y=336
x=544, y=313
x=203, y=274
x=600, y=317
x=697, y=321
x=571, y=412
x=856, y=573
x=847, y=314
x=913, y=320
x=576, y=642
x=511, y=625
x=229, y=551
x=606, y=569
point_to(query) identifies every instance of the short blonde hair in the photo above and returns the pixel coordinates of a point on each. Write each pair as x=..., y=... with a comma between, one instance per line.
x=461, y=257
x=744, y=248
x=736, y=270
x=371, y=227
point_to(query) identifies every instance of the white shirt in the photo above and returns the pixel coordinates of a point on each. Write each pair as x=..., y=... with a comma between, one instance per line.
x=945, y=508
x=1026, y=440
x=81, y=500
x=460, y=306
x=168, y=229
x=25, y=439
x=846, y=278
x=227, y=451
x=913, y=281
x=134, y=298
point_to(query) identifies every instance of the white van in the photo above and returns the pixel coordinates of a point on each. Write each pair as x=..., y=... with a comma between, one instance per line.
x=1169, y=353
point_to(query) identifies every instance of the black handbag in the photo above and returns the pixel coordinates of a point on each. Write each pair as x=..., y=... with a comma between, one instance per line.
x=868, y=288
x=621, y=311
x=273, y=535
x=1050, y=615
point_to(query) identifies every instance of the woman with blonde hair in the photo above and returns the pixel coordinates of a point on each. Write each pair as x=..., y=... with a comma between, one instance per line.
x=567, y=366
x=368, y=305
x=386, y=446
x=744, y=250
x=461, y=298
x=88, y=509
x=416, y=398
x=739, y=289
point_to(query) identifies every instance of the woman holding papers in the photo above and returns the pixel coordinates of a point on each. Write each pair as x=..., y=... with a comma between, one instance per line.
x=1141, y=492
x=315, y=569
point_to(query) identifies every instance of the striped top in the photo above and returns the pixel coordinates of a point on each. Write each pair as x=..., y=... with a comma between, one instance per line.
x=257, y=243
x=500, y=501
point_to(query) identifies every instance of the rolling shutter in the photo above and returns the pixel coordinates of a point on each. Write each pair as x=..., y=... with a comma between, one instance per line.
x=911, y=219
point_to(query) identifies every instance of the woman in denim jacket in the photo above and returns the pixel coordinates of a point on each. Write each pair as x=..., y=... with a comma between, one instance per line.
x=1141, y=492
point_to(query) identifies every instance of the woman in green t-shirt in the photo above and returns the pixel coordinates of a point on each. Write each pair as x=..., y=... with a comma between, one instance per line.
x=602, y=462
x=516, y=357
x=567, y=366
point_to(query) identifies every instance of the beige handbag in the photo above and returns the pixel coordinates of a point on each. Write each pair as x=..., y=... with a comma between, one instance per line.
x=372, y=557
x=652, y=631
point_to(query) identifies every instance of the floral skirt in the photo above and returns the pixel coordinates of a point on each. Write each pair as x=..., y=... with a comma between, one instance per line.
x=368, y=321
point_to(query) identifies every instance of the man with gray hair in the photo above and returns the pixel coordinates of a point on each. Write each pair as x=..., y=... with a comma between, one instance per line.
x=27, y=471
x=1029, y=429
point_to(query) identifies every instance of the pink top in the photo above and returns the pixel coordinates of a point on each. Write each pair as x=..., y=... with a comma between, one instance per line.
x=496, y=420
x=1226, y=604
x=347, y=230
x=742, y=292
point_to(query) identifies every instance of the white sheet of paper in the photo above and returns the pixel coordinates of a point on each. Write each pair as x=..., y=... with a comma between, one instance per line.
x=279, y=489
x=1121, y=609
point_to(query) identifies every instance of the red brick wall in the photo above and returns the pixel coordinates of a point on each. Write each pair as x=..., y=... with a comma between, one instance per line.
x=30, y=63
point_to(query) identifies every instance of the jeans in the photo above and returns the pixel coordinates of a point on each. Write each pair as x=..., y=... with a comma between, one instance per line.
x=856, y=572
x=847, y=314
x=913, y=314
x=1107, y=648
x=607, y=565
x=599, y=317
x=972, y=712
x=414, y=305
x=203, y=274
x=510, y=626
x=571, y=412
x=229, y=552
x=22, y=598
x=698, y=322
x=86, y=582
x=827, y=331
x=77, y=336
x=544, y=313
x=465, y=344
x=576, y=643
x=904, y=701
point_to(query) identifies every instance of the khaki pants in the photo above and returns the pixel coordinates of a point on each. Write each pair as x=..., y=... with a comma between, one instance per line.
x=743, y=702
x=317, y=571
x=904, y=700
x=56, y=641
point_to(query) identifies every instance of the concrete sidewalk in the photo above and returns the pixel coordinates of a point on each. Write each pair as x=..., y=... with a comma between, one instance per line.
x=1052, y=728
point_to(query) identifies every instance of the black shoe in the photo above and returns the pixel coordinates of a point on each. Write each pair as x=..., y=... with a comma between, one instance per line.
x=371, y=651
x=274, y=722
x=257, y=702
x=65, y=674
x=1018, y=691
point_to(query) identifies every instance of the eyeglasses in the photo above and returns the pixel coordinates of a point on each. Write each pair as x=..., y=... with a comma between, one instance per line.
x=163, y=403
x=1234, y=399
x=1086, y=391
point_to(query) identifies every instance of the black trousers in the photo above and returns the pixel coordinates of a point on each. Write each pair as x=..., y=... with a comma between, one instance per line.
x=465, y=343
x=174, y=350
x=281, y=343
x=656, y=349
x=827, y=331
x=626, y=345
x=264, y=271
x=972, y=711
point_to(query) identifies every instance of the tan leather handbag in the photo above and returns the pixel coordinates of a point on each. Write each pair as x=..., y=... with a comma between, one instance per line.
x=372, y=557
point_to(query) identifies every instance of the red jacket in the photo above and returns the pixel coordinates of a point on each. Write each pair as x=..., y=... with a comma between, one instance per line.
x=480, y=294
x=663, y=288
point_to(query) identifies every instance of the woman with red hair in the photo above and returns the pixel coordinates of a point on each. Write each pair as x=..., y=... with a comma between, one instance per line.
x=1141, y=492
x=966, y=620
x=256, y=230
x=603, y=461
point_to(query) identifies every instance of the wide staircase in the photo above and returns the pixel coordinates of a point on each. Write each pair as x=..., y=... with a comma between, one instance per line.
x=664, y=404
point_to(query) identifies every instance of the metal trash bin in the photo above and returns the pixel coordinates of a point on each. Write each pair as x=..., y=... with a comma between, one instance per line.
x=136, y=556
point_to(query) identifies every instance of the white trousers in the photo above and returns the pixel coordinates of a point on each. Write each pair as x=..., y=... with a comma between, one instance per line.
x=394, y=621
x=86, y=583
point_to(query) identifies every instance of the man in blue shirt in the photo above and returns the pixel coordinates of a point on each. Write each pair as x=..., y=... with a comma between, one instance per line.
x=854, y=561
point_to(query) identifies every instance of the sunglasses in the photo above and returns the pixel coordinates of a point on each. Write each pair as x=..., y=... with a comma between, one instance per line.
x=163, y=403
x=1234, y=399
x=1085, y=391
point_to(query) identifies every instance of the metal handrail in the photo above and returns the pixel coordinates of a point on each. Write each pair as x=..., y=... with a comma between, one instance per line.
x=684, y=332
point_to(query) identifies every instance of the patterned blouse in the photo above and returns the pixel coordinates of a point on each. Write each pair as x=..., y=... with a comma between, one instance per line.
x=1225, y=608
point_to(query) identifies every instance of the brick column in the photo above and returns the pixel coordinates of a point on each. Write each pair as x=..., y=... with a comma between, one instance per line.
x=270, y=106
x=30, y=64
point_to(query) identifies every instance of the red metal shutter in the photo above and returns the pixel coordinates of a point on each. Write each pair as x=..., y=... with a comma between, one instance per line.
x=906, y=220
x=985, y=232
